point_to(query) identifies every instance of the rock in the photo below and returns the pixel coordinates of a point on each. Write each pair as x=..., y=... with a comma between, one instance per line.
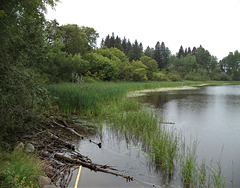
x=43, y=181
x=29, y=148
x=19, y=146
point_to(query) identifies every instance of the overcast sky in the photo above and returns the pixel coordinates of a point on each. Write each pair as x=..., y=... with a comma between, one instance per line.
x=214, y=24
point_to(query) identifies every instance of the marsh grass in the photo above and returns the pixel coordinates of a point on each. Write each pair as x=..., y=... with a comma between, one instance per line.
x=89, y=98
x=189, y=165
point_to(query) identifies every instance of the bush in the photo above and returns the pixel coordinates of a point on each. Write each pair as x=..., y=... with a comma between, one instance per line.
x=174, y=77
x=23, y=101
x=140, y=74
x=159, y=76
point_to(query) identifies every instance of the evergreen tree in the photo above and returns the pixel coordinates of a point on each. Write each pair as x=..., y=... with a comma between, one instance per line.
x=180, y=52
x=112, y=41
x=107, y=42
x=136, y=52
x=157, y=54
x=149, y=52
x=118, y=43
x=194, y=51
x=185, y=52
x=124, y=46
x=129, y=47
x=189, y=51
x=102, y=43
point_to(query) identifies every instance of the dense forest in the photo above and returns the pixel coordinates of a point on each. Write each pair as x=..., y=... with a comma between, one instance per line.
x=35, y=52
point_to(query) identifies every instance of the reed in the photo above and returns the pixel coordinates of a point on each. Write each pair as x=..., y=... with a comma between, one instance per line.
x=90, y=97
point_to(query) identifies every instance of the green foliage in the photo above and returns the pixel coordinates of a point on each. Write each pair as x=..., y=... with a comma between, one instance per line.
x=139, y=71
x=22, y=98
x=231, y=65
x=135, y=52
x=160, y=76
x=174, y=77
x=18, y=169
x=104, y=68
x=74, y=39
x=152, y=66
x=118, y=58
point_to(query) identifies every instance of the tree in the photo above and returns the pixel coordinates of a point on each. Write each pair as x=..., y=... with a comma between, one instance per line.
x=151, y=64
x=194, y=51
x=180, y=52
x=23, y=98
x=139, y=71
x=136, y=51
x=74, y=39
x=101, y=67
x=91, y=37
x=124, y=46
x=189, y=51
x=112, y=41
x=231, y=64
x=158, y=55
x=149, y=52
x=203, y=58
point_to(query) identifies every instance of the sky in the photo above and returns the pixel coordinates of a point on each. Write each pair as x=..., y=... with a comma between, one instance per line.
x=214, y=24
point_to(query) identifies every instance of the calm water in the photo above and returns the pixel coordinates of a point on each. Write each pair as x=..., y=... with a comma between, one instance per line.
x=209, y=114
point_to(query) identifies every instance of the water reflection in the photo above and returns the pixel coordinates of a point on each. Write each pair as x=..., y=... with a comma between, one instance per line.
x=210, y=114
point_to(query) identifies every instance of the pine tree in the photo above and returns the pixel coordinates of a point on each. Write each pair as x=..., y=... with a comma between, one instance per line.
x=107, y=41
x=157, y=54
x=189, y=51
x=194, y=50
x=112, y=41
x=185, y=52
x=118, y=43
x=149, y=52
x=136, y=52
x=102, y=43
x=124, y=46
x=180, y=52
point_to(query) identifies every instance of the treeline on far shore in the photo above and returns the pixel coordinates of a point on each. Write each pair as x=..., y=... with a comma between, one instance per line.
x=36, y=52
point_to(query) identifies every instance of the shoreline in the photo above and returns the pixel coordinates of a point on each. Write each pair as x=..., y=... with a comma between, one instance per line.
x=163, y=89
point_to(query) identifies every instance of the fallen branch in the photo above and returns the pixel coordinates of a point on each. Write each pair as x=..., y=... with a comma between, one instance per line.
x=90, y=166
x=74, y=132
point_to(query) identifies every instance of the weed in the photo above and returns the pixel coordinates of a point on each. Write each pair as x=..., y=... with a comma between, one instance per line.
x=19, y=170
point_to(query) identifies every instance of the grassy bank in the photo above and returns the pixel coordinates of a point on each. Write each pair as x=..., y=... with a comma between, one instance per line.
x=90, y=97
x=18, y=169
x=107, y=102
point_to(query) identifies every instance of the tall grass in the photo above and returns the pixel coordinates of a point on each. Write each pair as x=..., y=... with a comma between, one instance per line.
x=89, y=97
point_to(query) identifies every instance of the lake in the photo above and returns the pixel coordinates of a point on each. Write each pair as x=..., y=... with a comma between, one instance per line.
x=210, y=114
